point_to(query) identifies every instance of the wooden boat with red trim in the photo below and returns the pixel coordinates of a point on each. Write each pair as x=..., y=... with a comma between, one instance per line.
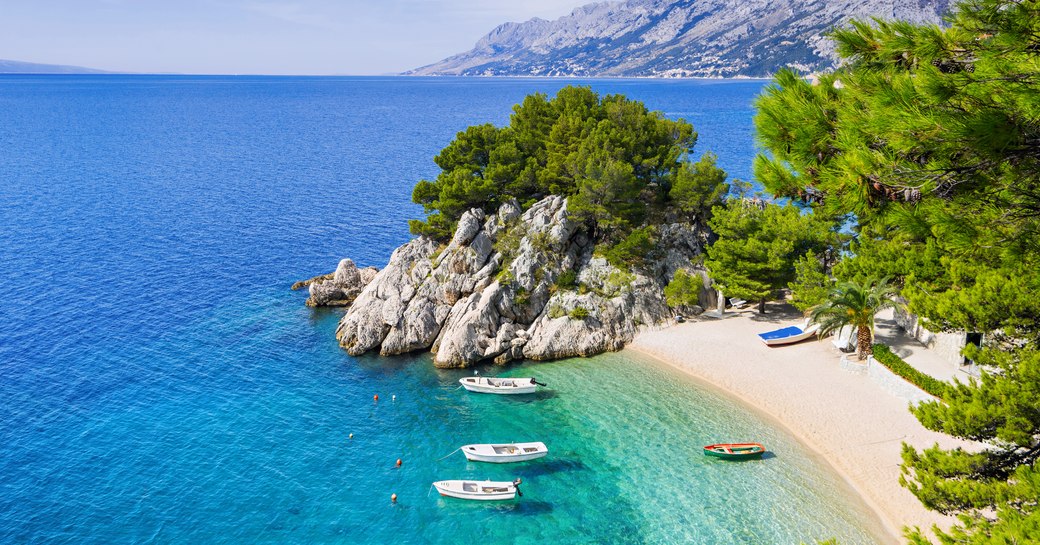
x=735, y=451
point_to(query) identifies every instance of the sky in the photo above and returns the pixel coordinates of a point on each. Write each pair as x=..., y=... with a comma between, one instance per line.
x=352, y=37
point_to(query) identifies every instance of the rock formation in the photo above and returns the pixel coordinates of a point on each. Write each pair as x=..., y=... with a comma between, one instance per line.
x=676, y=38
x=338, y=289
x=513, y=285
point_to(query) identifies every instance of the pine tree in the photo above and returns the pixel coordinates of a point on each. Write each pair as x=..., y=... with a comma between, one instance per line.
x=931, y=138
x=758, y=245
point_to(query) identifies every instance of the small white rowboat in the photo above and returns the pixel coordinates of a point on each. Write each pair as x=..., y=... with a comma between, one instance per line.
x=505, y=453
x=491, y=385
x=789, y=335
x=479, y=490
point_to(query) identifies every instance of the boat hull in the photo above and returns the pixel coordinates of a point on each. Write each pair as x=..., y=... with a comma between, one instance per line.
x=483, y=385
x=477, y=490
x=505, y=453
x=790, y=339
x=735, y=451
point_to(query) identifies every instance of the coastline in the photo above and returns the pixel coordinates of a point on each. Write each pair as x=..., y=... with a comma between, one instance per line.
x=844, y=419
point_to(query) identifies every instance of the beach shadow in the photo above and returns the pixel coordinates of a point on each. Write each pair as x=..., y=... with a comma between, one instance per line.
x=775, y=313
x=889, y=332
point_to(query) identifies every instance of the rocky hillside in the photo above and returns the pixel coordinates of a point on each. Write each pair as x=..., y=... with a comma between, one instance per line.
x=675, y=38
x=512, y=285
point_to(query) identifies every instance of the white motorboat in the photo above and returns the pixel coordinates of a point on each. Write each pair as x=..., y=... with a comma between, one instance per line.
x=479, y=490
x=502, y=453
x=492, y=385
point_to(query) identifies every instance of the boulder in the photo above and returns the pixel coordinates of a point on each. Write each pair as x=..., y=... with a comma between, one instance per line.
x=338, y=289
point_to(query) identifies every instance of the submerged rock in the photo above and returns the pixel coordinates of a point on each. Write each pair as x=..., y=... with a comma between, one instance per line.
x=511, y=285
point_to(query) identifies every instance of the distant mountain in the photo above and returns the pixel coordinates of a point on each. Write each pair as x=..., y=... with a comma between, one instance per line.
x=676, y=38
x=16, y=67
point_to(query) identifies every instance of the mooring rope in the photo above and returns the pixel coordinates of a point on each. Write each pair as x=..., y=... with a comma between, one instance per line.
x=452, y=452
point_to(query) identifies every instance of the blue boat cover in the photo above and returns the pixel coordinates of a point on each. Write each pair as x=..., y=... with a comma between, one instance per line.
x=781, y=333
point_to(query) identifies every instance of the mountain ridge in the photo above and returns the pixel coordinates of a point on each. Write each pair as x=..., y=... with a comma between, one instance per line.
x=19, y=67
x=675, y=38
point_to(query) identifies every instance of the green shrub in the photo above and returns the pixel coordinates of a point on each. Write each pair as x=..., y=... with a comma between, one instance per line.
x=504, y=276
x=567, y=280
x=556, y=311
x=521, y=297
x=932, y=385
x=633, y=250
x=579, y=313
x=684, y=289
x=507, y=242
x=541, y=241
x=616, y=283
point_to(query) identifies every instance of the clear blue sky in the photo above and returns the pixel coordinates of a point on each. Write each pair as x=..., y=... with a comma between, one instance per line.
x=255, y=36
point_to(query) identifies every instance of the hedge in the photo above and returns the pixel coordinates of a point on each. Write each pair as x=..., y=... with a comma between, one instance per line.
x=934, y=386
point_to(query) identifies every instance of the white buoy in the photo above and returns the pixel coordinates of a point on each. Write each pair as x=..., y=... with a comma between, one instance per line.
x=393, y=397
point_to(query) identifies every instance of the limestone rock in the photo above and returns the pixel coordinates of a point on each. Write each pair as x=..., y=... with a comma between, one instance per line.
x=379, y=306
x=338, y=289
x=492, y=293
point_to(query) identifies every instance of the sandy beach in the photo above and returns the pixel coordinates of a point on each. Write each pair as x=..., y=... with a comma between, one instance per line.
x=847, y=419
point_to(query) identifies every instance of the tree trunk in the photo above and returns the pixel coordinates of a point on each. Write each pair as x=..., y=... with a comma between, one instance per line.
x=762, y=306
x=863, y=342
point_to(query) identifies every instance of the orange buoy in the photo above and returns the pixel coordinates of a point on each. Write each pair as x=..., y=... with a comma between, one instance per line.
x=398, y=462
x=375, y=397
x=393, y=498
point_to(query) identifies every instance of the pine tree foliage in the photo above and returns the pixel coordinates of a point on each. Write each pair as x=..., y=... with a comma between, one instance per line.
x=931, y=138
x=758, y=245
x=811, y=283
x=614, y=156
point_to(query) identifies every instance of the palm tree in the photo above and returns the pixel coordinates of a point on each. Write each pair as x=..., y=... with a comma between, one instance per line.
x=855, y=304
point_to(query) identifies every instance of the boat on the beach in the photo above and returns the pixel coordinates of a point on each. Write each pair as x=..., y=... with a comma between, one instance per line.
x=479, y=490
x=501, y=453
x=735, y=451
x=492, y=385
x=789, y=335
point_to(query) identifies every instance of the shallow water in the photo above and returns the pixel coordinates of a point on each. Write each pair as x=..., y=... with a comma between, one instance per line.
x=158, y=383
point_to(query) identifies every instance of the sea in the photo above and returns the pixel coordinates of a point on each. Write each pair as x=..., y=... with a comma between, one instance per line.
x=160, y=383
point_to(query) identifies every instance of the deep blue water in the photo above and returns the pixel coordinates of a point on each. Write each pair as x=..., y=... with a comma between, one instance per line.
x=160, y=384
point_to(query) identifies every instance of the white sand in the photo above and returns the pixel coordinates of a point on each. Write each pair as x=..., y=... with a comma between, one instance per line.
x=847, y=419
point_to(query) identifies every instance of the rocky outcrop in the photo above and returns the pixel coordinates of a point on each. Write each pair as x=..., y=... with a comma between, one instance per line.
x=512, y=285
x=337, y=289
x=676, y=38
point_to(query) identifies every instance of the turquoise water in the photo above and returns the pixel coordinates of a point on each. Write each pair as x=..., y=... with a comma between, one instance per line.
x=160, y=384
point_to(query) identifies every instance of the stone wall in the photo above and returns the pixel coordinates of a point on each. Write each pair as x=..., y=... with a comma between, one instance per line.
x=895, y=384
